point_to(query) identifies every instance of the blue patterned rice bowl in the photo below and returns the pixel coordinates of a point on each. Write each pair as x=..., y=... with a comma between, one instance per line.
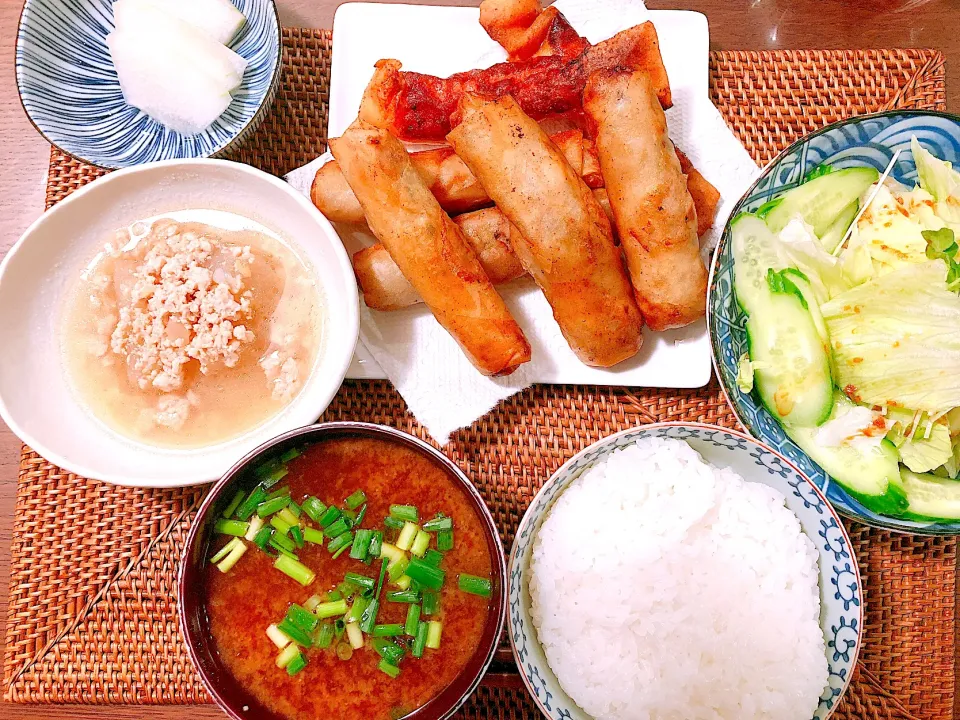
x=71, y=93
x=869, y=140
x=841, y=600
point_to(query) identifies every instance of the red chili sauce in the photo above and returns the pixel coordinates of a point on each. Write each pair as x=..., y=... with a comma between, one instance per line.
x=253, y=594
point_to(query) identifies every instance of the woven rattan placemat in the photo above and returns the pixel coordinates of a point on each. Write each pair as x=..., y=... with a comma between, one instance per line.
x=92, y=614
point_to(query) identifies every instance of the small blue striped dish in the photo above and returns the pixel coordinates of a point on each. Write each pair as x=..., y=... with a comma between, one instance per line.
x=71, y=93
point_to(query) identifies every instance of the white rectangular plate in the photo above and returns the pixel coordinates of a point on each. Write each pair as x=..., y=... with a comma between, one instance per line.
x=445, y=40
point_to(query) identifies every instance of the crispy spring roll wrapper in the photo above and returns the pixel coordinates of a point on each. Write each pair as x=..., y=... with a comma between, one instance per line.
x=565, y=240
x=706, y=198
x=429, y=248
x=653, y=209
x=524, y=30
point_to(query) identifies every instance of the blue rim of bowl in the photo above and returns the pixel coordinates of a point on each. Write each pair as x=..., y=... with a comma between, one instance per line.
x=527, y=519
x=923, y=530
x=252, y=124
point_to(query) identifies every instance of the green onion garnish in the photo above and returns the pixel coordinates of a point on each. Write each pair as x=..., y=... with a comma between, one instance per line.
x=324, y=636
x=356, y=610
x=403, y=582
x=331, y=609
x=288, y=516
x=294, y=569
x=432, y=557
x=277, y=637
x=313, y=508
x=420, y=640
x=289, y=455
x=389, y=668
x=355, y=500
x=269, y=507
x=341, y=551
x=295, y=632
x=279, y=492
x=391, y=630
x=360, y=516
x=420, y=543
x=274, y=477
x=297, y=536
x=407, y=535
x=383, y=574
x=256, y=524
x=391, y=552
x=234, y=504
x=361, y=544
x=388, y=649
x=474, y=585
x=296, y=665
x=237, y=528
x=266, y=467
x=361, y=581
x=231, y=559
x=355, y=636
x=397, y=569
x=312, y=535
x=427, y=575
x=431, y=602
x=413, y=620
x=330, y=515
x=337, y=528
x=342, y=542
x=280, y=524
x=312, y=602
x=294, y=509
x=338, y=627
x=403, y=596
x=434, y=628
x=282, y=542
x=445, y=540
x=224, y=551
x=302, y=618
x=369, y=618
x=392, y=523
x=291, y=555
x=334, y=595
x=286, y=655
x=438, y=524
x=376, y=542
x=346, y=589
x=248, y=506
x=412, y=585
x=407, y=513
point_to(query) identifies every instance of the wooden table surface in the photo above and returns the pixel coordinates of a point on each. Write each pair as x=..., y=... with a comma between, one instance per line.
x=734, y=25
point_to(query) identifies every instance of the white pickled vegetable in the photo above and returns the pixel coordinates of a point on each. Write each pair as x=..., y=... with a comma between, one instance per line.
x=217, y=18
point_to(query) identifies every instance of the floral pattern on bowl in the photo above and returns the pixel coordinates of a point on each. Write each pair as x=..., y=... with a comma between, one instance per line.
x=841, y=599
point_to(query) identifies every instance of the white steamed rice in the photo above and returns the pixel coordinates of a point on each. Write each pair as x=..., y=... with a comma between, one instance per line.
x=665, y=588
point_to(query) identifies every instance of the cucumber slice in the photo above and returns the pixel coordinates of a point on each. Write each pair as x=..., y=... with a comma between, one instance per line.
x=838, y=228
x=931, y=497
x=754, y=252
x=822, y=200
x=806, y=289
x=870, y=475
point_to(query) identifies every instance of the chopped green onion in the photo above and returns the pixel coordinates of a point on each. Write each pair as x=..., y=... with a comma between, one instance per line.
x=369, y=617
x=296, y=633
x=266, y=467
x=287, y=515
x=274, y=477
x=312, y=535
x=407, y=536
x=362, y=581
x=334, y=595
x=277, y=636
x=234, y=504
x=383, y=574
x=346, y=589
x=278, y=493
x=291, y=555
x=388, y=667
x=270, y=506
x=324, y=636
x=420, y=640
x=445, y=540
x=338, y=627
x=302, y=618
x=224, y=551
x=431, y=602
x=474, y=585
x=420, y=543
x=344, y=651
x=298, y=663
x=413, y=620
x=412, y=585
x=286, y=655
x=361, y=544
x=282, y=542
x=391, y=630
x=392, y=523
x=432, y=557
x=280, y=524
x=237, y=528
x=403, y=596
x=355, y=500
x=313, y=508
x=392, y=552
x=427, y=575
x=360, y=516
x=231, y=559
x=434, y=628
x=297, y=535
x=331, y=609
x=388, y=649
x=289, y=455
x=248, y=506
x=312, y=602
x=337, y=528
x=403, y=582
x=330, y=515
x=339, y=543
x=294, y=569
x=376, y=542
x=407, y=513
x=438, y=523
x=356, y=610
x=354, y=636
x=256, y=523
x=295, y=509
x=396, y=569
x=263, y=537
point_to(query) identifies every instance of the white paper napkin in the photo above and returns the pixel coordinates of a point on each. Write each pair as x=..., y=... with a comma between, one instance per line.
x=441, y=388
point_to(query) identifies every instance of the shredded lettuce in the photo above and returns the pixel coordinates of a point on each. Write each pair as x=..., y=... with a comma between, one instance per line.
x=745, y=374
x=892, y=227
x=939, y=179
x=896, y=340
x=799, y=247
x=923, y=444
x=854, y=425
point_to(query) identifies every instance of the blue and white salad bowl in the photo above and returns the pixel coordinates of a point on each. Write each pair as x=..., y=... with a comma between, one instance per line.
x=841, y=598
x=71, y=93
x=865, y=141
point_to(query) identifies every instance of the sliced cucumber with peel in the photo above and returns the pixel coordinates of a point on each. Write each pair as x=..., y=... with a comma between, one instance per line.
x=838, y=228
x=822, y=200
x=931, y=497
x=754, y=252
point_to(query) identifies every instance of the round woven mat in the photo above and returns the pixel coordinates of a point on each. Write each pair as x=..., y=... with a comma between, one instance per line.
x=93, y=616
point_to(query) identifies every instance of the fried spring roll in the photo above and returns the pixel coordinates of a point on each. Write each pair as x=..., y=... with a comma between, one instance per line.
x=653, y=209
x=523, y=30
x=705, y=196
x=565, y=241
x=429, y=248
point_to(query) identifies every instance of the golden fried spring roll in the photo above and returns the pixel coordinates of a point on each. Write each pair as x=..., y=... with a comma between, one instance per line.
x=653, y=209
x=705, y=196
x=565, y=240
x=429, y=248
